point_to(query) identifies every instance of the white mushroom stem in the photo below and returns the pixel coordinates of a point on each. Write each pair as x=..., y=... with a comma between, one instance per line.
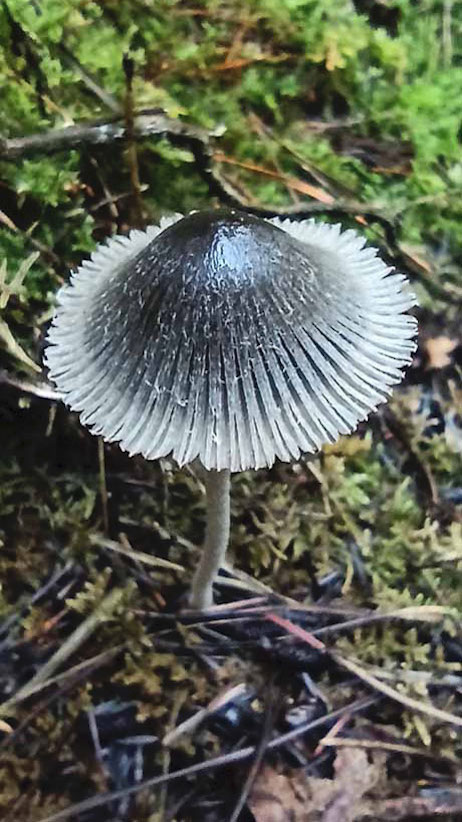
x=217, y=489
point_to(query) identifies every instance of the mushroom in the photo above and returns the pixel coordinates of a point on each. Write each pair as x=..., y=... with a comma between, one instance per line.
x=229, y=341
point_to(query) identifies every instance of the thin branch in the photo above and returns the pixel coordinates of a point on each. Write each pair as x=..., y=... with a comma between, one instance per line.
x=64, y=683
x=136, y=556
x=138, y=216
x=153, y=123
x=147, y=123
x=89, y=81
x=105, y=609
x=40, y=389
x=200, y=142
x=259, y=755
x=43, y=249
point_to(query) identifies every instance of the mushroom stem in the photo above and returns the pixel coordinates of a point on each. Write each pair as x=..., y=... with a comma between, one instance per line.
x=217, y=489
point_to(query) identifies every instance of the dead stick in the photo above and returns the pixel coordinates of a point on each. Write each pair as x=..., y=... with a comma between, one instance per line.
x=69, y=646
x=138, y=220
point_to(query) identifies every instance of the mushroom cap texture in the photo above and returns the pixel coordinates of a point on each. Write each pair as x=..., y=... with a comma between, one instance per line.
x=230, y=339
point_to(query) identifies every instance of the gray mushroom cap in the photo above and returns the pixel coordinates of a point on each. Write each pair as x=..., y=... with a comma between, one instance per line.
x=230, y=339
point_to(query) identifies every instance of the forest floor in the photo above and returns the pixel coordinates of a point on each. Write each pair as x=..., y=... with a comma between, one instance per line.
x=326, y=683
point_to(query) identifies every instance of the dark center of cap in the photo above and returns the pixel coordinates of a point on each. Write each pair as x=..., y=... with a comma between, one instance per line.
x=225, y=248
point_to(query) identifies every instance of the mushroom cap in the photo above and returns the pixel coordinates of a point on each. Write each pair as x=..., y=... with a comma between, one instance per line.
x=229, y=338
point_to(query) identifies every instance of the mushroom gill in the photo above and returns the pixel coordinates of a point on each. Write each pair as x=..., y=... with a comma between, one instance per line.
x=230, y=341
